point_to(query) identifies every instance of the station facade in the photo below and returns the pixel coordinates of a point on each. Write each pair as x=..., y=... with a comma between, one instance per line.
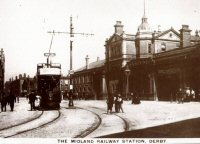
x=89, y=81
x=159, y=63
x=161, y=75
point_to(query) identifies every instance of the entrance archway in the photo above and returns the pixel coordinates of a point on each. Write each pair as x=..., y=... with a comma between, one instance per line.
x=168, y=84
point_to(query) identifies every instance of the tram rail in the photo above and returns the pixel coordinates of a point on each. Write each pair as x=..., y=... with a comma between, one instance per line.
x=24, y=127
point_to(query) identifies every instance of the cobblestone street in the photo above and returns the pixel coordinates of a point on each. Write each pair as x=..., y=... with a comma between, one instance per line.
x=89, y=119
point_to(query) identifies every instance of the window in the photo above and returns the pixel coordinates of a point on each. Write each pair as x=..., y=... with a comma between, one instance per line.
x=170, y=35
x=163, y=47
x=149, y=48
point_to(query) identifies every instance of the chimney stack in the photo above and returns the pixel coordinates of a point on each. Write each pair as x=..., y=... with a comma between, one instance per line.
x=119, y=27
x=196, y=33
x=159, y=28
x=185, y=36
x=87, y=62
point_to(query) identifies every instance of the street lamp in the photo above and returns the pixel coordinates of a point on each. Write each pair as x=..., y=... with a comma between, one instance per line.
x=127, y=73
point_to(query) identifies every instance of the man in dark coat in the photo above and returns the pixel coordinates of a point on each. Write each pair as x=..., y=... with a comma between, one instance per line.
x=110, y=102
x=71, y=103
x=32, y=98
x=12, y=100
x=135, y=98
x=180, y=95
x=116, y=100
x=3, y=102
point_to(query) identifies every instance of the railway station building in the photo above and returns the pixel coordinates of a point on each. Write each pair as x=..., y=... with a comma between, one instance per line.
x=171, y=64
x=89, y=81
x=155, y=64
x=119, y=49
x=158, y=62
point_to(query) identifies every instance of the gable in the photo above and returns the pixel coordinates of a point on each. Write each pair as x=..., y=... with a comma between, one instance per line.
x=170, y=34
x=115, y=37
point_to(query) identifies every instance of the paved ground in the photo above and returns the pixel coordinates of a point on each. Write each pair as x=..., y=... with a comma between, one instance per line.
x=148, y=119
x=152, y=119
x=183, y=129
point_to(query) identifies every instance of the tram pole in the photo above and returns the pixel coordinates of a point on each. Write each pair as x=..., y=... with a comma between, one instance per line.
x=71, y=33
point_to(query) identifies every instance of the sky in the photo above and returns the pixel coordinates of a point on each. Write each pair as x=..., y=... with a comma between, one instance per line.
x=24, y=25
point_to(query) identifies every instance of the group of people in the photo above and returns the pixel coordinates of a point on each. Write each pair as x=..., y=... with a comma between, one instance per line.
x=185, y=95
x=117, y=101
x=33, y=99
x=7, y=100
x=10, y=99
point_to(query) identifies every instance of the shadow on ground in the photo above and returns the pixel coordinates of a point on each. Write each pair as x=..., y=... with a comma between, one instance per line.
x=183, y=129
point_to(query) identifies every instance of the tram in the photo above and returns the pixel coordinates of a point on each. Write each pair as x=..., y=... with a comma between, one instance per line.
x=48, y=85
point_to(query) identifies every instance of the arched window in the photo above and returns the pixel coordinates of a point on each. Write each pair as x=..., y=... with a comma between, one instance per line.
x=163, y=46
x=170, y=35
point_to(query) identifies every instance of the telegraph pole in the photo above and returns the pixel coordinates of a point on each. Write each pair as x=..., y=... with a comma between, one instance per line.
x=71, y=33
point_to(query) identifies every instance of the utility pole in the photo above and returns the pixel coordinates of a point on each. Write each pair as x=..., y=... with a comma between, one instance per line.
x=71, y=33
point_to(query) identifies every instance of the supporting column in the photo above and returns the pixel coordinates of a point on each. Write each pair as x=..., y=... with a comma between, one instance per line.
x=104, y=87
x=154, y=87
x=182, y=77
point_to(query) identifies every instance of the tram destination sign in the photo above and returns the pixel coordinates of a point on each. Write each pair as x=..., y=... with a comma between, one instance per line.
x=50, y=54
x=49, y=71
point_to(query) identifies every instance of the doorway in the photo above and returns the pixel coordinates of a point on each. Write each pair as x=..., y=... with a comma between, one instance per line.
x=167, y=86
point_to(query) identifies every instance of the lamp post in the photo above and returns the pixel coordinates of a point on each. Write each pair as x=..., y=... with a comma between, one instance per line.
x=127, y=73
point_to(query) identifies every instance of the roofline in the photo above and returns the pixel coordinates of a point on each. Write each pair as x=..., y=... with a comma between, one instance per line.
x=166, y=31
x=90, y=68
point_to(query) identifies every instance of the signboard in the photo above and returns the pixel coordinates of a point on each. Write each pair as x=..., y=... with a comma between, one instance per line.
x=71, y=72
x=49, y=71
x=49, y=54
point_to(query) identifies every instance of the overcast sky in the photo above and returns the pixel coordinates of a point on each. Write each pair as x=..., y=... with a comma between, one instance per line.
x=24, y=25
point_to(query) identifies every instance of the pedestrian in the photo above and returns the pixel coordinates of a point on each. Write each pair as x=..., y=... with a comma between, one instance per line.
x=3, y=102
x=198, y=95
x=132, y=97
x=187, y=94
x=38, y=102
x=71, y=103
x=180, y=96
x=32, y=98
x=12, y=100
x=110, y=102
x=120, y=102
x=135, y=98
x=116, y=103
x=192, y=94
x=18, y=98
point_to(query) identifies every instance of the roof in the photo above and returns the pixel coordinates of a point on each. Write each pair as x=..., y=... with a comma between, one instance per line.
x=144, y=26
x=195, y=38
x=166, y=31
x=122, y=37
x=92, y=65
